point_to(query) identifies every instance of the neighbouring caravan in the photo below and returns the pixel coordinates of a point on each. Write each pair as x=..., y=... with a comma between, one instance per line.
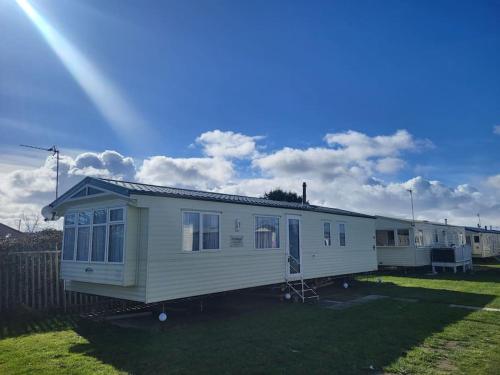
x=404, y=243
x=152, y=243
x=485, y=242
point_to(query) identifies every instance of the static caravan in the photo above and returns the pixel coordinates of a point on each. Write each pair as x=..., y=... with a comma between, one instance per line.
x=485, y=242
x=152, y=243
x=404, y=243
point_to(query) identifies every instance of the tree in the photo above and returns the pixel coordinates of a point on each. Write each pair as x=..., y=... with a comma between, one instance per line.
x=284, y=196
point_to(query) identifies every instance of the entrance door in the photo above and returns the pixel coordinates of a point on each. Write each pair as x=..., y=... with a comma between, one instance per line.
x=293, y=267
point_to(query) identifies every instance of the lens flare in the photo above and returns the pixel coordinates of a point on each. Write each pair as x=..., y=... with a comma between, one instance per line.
x=102, y=92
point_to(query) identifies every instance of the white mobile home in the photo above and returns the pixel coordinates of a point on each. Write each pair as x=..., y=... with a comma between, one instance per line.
x=151, y=243
x=404, y=243
x=485, y=242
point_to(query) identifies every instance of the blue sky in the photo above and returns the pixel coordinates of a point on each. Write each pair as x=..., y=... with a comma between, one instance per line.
x=291, y=72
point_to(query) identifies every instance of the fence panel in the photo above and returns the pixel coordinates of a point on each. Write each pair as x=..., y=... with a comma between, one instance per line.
x=31, y=279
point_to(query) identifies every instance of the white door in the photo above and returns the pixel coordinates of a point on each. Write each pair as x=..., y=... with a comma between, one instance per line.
x=293, y=248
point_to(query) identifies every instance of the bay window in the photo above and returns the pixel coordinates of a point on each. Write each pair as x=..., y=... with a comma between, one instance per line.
x=94, y=235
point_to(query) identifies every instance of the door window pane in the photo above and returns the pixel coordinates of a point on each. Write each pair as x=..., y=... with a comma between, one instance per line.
x=327, y=239
x=115, y=251
x=267, y=232
x=98, y=243
x=342, y=234
x=294, y=245
x=83, y=242
x=210, y=231
x=191, y=231
x=69, y=244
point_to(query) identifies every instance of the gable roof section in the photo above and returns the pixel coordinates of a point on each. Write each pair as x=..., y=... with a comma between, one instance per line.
x=126, y=188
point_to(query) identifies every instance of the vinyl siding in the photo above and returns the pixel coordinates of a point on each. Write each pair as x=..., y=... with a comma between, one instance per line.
x=127, y=280
x=173, y=273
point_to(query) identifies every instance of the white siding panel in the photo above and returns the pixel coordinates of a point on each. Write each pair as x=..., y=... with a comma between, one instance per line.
x=173, y=273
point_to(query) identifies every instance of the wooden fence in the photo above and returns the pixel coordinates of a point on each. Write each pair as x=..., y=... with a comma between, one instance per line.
x=31, y=280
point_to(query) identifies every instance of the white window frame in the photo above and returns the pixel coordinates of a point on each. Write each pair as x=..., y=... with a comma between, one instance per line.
x=108, y=209
x=331, y=234
x=255, y=216
x=345, y=233
x=108, y=224
x=200, y=240
x=72, y=226
x=398, y=242
x=78, y=226
x=394, y=233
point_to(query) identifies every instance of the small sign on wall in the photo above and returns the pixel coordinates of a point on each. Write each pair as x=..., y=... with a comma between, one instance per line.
x=236, y=241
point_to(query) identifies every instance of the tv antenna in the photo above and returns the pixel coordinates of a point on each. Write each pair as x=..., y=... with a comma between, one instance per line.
x=55, y=152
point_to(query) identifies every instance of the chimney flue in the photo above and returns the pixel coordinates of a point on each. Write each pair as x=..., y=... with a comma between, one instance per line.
x=445, y=221
x=304, y=193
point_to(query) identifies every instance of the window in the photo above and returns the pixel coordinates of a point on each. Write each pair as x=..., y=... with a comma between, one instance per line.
x=83, y=236
x=436, y=236
x=267, y=232
x=342, y=234
x=384, y=238
x=69, y=237
x=468, y=240
x=89, y=235
x=403, y=237
x=116, y=235
x=99, y=235
x=476, y=239
x=327, y=237
x=419, y=238
x=194, y=239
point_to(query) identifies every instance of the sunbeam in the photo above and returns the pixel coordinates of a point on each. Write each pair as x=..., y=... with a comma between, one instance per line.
x=124, y=120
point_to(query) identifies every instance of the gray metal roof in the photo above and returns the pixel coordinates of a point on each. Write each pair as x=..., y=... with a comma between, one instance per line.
x=127, y=188
x=482, y=230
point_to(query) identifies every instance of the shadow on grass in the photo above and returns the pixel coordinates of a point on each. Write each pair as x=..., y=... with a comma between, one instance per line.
x=24, y=323
x=290, y=338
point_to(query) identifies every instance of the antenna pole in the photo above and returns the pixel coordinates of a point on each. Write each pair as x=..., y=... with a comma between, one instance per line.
x=412, y=211
x=55, y=152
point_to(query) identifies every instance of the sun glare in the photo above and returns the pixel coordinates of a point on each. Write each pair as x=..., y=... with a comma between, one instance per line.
x=102, y=92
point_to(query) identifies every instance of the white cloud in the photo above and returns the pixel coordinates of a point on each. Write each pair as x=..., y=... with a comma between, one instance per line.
x=389, y=165
x=494, y=181
x=346, y=174
x=350, y=153
x=227, y=144
x=204, y=173
x=496, y=129
x=29, y=189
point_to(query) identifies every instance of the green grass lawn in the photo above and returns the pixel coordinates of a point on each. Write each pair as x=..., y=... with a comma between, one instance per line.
x=393, y=336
